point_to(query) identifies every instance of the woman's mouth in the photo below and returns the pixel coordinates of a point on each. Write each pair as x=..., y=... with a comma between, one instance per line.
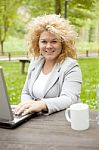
x=49, y=52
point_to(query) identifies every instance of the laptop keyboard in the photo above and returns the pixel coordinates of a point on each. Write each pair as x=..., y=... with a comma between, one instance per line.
x=15, y=115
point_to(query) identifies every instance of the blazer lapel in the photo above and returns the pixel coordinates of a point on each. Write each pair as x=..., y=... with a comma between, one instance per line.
x=54, y=76
x=34, y=74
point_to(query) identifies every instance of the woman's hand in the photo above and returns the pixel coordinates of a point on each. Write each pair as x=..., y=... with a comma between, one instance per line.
x=30, y=106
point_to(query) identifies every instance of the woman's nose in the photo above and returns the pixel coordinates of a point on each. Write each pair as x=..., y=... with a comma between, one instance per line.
x=48, y=45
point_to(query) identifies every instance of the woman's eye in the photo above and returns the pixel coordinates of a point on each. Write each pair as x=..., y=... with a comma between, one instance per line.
x=54, y=41
x=43, y=41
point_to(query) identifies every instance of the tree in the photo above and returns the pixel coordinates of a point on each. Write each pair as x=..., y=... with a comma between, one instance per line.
x=57, y=6
x=79, y=11
x=7, y=17
x=40, y=7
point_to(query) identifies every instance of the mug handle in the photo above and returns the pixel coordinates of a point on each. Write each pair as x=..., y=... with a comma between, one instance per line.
x=67, y=112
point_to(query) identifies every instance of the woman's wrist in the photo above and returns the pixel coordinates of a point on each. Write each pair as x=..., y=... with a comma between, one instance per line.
x=44, y=106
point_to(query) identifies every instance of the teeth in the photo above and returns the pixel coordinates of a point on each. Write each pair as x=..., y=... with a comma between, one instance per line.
x=49, y=52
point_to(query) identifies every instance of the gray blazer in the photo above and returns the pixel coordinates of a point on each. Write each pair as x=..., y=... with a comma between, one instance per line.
x=63, y=88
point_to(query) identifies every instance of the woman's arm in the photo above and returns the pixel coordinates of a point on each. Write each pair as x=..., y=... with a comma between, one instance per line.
x=70, y=92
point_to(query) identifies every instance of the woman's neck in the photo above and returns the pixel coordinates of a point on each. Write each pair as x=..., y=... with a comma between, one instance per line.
x=48, y=66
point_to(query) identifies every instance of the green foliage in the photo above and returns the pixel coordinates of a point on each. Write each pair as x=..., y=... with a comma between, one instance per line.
x=12, y=24
x=7, y=17
x=40, y=7
x=79, y=11
x=90, y=71
x=7, y=13
x=85, y=4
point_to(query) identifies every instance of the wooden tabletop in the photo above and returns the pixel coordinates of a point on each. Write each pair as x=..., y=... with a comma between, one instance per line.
x=51, y=132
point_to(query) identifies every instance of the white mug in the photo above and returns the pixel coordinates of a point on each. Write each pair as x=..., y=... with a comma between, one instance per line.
x=78, y=116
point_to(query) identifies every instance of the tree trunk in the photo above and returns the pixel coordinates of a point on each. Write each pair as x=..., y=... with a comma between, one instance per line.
x=91, y=33
x=57, y=7
x=97, y=32
x=1, y=45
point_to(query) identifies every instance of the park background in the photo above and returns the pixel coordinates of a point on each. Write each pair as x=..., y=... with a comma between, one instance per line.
x=82, y=14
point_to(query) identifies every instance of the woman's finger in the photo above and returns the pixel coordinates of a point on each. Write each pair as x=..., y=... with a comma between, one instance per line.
x=21, y=108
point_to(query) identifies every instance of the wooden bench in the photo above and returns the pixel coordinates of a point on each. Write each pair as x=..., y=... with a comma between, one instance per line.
x=23, y=62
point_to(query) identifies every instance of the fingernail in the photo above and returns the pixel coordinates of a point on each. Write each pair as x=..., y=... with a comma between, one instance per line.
x=23, y=114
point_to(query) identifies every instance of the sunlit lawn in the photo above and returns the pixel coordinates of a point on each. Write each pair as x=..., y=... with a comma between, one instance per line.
x=14, y=79
x=90, y=70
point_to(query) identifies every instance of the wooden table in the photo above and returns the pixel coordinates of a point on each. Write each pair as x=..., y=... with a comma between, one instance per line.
x=23, y=62
x=50, y=133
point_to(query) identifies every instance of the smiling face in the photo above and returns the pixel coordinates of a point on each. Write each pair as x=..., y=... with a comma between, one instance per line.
x=50, y=46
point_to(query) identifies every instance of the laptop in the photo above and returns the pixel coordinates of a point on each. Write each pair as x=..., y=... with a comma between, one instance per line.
x=7, y=117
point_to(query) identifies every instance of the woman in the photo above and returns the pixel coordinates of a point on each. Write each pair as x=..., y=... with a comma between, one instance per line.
x=54, y=78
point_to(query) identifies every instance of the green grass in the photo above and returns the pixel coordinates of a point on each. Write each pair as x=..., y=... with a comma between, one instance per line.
x=90, y=71
x=14, y=79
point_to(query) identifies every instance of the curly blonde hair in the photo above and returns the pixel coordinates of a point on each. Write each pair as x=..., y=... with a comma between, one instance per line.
x=56, y=25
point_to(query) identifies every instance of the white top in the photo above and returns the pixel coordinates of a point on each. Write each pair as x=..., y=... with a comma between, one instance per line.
x=40, y=84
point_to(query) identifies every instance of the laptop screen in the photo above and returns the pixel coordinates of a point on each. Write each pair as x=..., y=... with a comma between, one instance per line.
x=5, y=109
